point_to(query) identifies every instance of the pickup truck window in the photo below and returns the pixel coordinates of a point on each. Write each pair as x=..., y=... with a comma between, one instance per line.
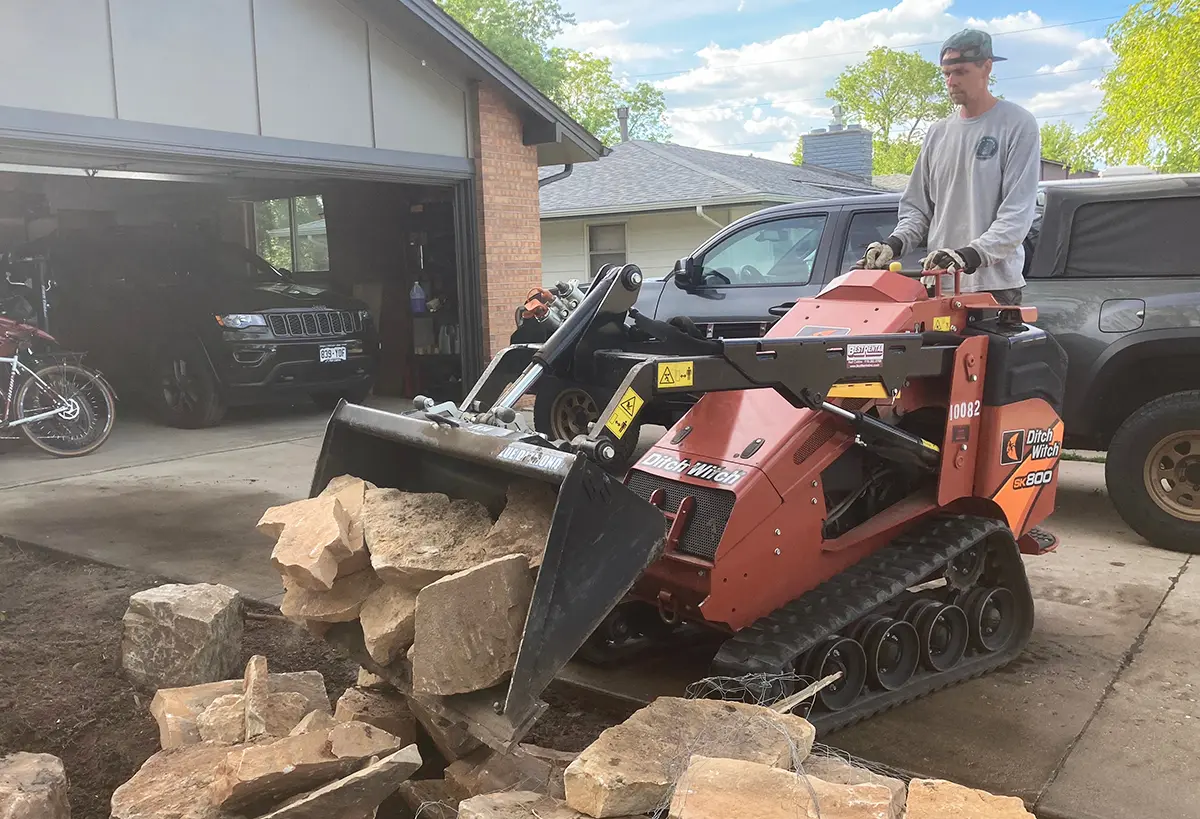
x=873, y=226
x=777, y=252
x=1139, y=237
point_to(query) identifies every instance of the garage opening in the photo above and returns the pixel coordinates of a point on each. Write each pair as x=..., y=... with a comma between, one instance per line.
x=194, y=292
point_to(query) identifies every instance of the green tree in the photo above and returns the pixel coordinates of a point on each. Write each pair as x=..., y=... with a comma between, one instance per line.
x=798, y=152
x=1151, y=108
x=896, y=157
x=518, y=32
x=1062, y=143
x=582, y=84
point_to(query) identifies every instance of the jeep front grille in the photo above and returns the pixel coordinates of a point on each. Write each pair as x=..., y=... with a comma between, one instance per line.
x=706, y=527
x=312, y=323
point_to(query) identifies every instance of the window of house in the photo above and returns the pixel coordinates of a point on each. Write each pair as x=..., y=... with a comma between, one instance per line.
x=777, y=252
x=291, y=233
x=606, y=245
x=874, y=226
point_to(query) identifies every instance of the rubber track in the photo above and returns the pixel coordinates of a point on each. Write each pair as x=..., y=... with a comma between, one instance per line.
x=774, y=641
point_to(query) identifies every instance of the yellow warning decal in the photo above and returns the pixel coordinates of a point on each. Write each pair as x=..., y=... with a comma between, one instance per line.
x=941, y=324
x=623, y=415
x=675, y=374
x=867, y=389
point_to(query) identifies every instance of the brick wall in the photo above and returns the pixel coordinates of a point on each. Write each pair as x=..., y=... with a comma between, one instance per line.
x=510, y=243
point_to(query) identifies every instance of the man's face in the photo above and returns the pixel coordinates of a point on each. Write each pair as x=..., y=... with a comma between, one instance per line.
x=966, y=81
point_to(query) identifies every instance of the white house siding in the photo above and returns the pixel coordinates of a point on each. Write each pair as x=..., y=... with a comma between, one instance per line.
x=298, y=69
x=653, y=241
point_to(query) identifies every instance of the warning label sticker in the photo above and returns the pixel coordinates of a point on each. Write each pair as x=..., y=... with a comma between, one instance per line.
x=674, y=374
x=821, y=330
x=941, y=324
x=864, y=355
x=630, y=405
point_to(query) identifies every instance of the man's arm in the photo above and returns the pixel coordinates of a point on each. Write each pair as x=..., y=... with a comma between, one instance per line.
x=916, y=207
x=1018, y=192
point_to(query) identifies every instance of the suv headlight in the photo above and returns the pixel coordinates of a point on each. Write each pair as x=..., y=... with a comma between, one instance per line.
x=364, y=316
x=240, y=321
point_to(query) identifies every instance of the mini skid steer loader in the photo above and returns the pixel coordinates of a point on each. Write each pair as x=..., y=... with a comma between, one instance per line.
x=851, y=493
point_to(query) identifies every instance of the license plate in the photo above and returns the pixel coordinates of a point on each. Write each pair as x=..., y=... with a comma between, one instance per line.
x=337, y=353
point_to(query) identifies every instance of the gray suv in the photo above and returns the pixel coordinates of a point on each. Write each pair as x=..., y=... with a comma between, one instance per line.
x=1110, y=268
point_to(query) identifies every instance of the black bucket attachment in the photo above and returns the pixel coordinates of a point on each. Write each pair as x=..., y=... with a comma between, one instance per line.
x=602, y=536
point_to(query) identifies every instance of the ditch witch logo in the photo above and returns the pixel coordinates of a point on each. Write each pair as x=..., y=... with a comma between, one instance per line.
x=693, y=469
x=1037, y=444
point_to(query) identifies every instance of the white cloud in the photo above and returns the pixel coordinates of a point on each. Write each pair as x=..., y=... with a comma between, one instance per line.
x=606, y=38
x=767, y=93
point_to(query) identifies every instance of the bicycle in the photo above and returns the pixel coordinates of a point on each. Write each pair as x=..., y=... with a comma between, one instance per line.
x=61, y=406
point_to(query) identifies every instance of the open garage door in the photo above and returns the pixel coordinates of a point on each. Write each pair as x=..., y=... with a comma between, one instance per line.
x=208, y=280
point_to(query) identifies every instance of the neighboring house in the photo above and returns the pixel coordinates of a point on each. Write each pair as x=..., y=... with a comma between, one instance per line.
x=423, y=146
x=651, y=203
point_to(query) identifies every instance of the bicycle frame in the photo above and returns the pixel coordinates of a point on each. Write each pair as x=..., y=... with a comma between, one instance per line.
x=14, y=365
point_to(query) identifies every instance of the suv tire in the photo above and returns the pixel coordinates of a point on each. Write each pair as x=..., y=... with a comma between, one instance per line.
x=563, y=409
x=185, y=393
x=1153, y=471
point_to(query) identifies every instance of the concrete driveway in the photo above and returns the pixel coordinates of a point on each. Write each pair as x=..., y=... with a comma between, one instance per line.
x=1097, y=720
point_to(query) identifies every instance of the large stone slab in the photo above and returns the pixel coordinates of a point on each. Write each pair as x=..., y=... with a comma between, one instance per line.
x=724, y=788
x=938, y=799
x=415, y=538
x=388, y=620
x=315, y=537
x=386, y=710
x=315, y=721
x=340, y=604
x=452, y=739
x=357, y=794
x=173, y=784
x=632, y=768
x=33, y=786
x=350, y=492
x=224, y=720
x=468, y=627
x=359, y=740
x=255, y=693
x=841, y=772
x=487, y=771
x=257, y=776
x=524, y=524
x=177, y=709
x=176, y=635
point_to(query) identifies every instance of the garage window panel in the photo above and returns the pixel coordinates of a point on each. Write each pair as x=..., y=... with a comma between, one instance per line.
x=606, y=245
x=291, y=233
x=273, y=230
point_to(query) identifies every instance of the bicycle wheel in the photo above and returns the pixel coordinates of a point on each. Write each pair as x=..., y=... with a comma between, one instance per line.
x=86, y=422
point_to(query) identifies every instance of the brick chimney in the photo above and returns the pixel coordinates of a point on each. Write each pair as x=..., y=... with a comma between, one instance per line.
x=840, y=147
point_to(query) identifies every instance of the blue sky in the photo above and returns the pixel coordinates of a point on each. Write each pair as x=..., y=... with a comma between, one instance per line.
x=749, y=76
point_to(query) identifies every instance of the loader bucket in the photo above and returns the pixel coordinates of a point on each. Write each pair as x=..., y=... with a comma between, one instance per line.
x=602, y=536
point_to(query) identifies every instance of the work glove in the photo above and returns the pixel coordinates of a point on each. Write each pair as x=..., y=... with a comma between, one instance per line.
x=880, y=254
x=966, y=260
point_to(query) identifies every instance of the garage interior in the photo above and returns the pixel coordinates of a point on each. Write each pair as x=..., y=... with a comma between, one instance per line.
x=373, y=240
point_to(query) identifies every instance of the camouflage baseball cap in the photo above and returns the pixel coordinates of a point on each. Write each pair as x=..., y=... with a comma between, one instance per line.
x=972, y=46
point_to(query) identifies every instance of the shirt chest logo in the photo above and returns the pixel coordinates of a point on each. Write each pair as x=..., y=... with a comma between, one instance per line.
x=987, y=148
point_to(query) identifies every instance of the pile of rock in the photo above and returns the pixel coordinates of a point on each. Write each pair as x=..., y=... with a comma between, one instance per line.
x=265, y=746
x=33, y=786
x=433, y=582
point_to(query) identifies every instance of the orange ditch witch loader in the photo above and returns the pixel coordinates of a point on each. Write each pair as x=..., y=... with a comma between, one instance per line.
x=851, y=493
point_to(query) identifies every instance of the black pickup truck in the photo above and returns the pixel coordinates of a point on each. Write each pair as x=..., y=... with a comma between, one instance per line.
x=1110, y=266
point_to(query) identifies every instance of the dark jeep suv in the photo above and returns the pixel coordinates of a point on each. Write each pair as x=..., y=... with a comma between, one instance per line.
x=194, y=325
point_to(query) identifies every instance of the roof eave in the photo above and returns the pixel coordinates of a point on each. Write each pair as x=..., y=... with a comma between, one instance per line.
x=676, y=205
x=559, y=138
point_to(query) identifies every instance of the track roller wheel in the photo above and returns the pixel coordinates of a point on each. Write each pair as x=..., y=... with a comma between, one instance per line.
x=893, y=652
x=844, y=655
x=992, y=616
x=944, y=634
x=914, y=610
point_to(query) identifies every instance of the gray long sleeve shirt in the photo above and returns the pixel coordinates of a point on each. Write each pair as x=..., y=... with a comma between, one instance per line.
x=975, y=183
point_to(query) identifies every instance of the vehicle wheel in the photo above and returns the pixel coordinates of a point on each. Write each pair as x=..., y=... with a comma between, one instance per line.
x=1153, y=472
x=80, y=429
x=564, y=409
x=185, y=392
x=329, y=400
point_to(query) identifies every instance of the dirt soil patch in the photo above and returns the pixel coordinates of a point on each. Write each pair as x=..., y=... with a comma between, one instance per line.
x=61, y=687
x=575, y=718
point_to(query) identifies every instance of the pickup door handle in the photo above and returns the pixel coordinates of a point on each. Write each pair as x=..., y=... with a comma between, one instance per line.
x=781, y=309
